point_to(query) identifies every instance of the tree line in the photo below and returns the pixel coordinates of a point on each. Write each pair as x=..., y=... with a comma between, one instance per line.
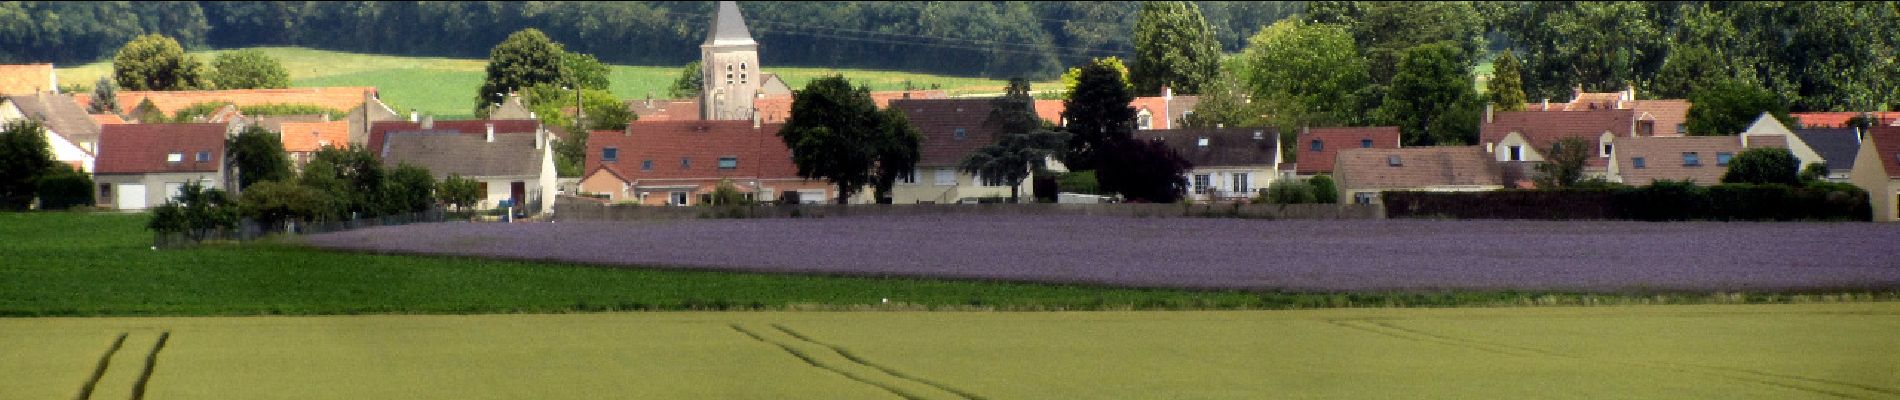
x=995, y=39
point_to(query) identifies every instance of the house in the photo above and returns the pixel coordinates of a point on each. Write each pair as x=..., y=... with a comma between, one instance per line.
x=1361, y=174
x=1877, y=169
x=379, y=131
x=518, y=167
x=1837, y=146
x=1316, y=148
x=681, y=163
x=142, y=165
x=1662, y=117
x=1703, y=159
x=1230, y=164
x=1518, y=139
x=1767, y=128
x=1838, y=119
x=17, y=79
x=303, y=139
x=511, y=108
x=1164, y=112
x=952, y=130
x=72, y=134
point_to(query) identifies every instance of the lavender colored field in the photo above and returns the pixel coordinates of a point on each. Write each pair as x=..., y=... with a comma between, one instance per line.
x=1209, y=253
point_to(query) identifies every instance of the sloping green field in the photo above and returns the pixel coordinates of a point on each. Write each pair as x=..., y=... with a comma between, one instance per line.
x=1668, y=352
x=446, y=86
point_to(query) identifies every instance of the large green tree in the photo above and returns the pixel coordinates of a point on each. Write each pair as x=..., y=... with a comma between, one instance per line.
x=1432, y=81
x=1384, y=30
x=836, y=133
x=1022, y=142
x=1305, y=74
x=1224, y=102
x=256, y=155
x=689, y=82
x=24, y=158
x=1763, y=166
x=1730, y=106
x=584, y=71
x=1145, y=171
x=1097, y=112
x=898, y=147
x=1174, y=47
x=525, y=59
x=411, y=189
x=1602, y=46
x=105, y=97
x=248, y=69
x=601, y=111
x=350, y=175
x=156, y=62
x=1505, y=90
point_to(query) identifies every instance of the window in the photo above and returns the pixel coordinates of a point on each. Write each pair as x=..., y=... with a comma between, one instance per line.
x=742, y=66
x=105, y=193
x=1393, y=160
x=946, y=177
x=1362, y=198
x=1201, y=183
x=1144, y=121
x=1691, y=159
x=1721, y=159
x=1241, y=183
x=175, y=157
x=646, y=165
x=741, y=77
x=1646, y=128
x=728, y=66
x=961, y=133
x=1202, y=142
x=728, y=162
x=1607, y=149
x=1517, y=153
x=204, y=156
x=686, y=163
x=911, y=178
x=1682, y=129
x=1317, y=146
x=1637, y=162
x=609, y=154
x=677, y=199
x=1365, y=143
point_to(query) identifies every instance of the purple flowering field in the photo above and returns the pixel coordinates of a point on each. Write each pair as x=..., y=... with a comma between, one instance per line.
x=1311, y=255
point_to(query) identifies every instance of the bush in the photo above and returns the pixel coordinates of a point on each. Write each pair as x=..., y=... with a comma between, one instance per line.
x=272, y=203
x=1664, y=200
x=1078, y=182
x=63, y=187
x=458, y=191
x=196, y=212
x=1324, y=191
x=1287, y=191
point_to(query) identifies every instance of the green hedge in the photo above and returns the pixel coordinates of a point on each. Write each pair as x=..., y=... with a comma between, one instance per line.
x=1660, y=201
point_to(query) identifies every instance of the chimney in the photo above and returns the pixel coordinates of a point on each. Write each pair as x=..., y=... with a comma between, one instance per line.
x=1489, y=113
x=1167, y=93
x=428, y=122
x=1258, y=135
x=649, y=100
x=491, y=131
x=413, y=115
x=540, y=136
x=531, y=115
x=1546, y=104
x=755, y=118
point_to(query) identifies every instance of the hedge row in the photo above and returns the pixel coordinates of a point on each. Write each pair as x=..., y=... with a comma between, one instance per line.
x=1662, y=201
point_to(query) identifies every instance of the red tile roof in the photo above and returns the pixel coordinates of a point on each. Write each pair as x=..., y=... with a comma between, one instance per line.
x=1417, y=168
x=1839, y=119
x=26, y=78
x=103, y=119
x=143, y=148
x=310, y=136
x=169, y=102
x=939, y=119
x=761, y=153
x=380, y=129
x=1334, y=140
x=1050, y=110
x=1543, y=129
x=1886, y=141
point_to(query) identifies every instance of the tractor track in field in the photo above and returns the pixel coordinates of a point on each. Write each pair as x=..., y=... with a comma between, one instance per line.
x=818, y=360
x=144, y=377
x=1389, y=329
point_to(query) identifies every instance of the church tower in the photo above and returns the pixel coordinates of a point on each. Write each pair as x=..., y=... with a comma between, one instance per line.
x=729, y=62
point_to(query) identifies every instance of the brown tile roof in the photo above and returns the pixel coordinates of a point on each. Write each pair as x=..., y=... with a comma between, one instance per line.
x=1886, y=141
x=475, y=127
x=665, y=110
x=26, y=78
x=60, y=114
x=1839, y=119
x=1418, y=168
x=310, y=136
x=1543, y=129
x=169, y=102
x=1663, y=157
x=1668, y=115
x=1050, y=110
x=451, y=152
x=939, y=119
x=761, y=153
x=143, y=148
x=1225, y=147
x=1334, y=140
x=103, y=119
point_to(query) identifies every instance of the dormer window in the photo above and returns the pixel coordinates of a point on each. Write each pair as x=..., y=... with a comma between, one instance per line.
x=1365, y=143
x=1393, y=160
x=961, y=133
x=1637, y=162
x=1607, y=149
x=1721, y=159
x=175, y=157
x=610, y=154
x=204, y=156
x=1144, y=121
x=1691, y=159
x=1317, y=146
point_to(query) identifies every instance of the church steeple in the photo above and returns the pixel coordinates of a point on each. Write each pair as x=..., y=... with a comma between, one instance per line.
x=729, y=62
x=728, y=27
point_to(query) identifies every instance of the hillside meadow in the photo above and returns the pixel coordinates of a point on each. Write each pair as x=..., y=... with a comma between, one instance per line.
x=446, y=86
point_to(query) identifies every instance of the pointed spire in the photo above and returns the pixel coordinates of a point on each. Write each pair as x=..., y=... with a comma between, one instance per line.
x=729, y=26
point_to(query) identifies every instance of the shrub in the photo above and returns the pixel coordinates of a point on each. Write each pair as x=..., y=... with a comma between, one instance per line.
x=63, y=187
x=272, y=203
x=458, y=191
x=1289, y=191
x=196, y=212
x=1078, y=182
x=1763, y=166
x=1324, y=191
x=1664, y=200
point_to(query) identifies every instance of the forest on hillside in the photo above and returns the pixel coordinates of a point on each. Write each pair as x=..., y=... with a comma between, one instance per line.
x=993, y=39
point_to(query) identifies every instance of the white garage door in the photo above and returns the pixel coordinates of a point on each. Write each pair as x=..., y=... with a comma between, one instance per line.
x=812, y=197
x=131, y=197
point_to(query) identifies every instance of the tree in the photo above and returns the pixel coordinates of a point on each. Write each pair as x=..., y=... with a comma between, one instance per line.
x=584, y=71
x=105, y=97
x=1505, y=90
x=248, y=69
x=1324, y=191
x=1602, y=46
x=898, y=146
x=1763, y=166
x=351, y=175
x=257, y=155
x=1728, y=107
x=1174, y=47
x=24, y=158
x=1432, y=81
x=458, y=191
x=1305, y=74
x=1563, y=167
x=836, y=133
x=411, y=189
x=1224, y=102
x=525, y=59
x=156, y=62
x=1022, y=144
x=687, y=85
x=1098, y=113
x=148, y=113
x=196, y=212
x=274, y=203
x=1143, y=171
x=551, y=104
x=1074, y=74
x=1384, y=31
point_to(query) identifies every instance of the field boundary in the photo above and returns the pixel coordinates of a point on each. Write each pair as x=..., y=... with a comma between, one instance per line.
x=575, y=209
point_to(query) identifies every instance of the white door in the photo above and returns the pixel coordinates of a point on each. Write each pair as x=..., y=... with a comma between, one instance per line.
x=131, y=197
